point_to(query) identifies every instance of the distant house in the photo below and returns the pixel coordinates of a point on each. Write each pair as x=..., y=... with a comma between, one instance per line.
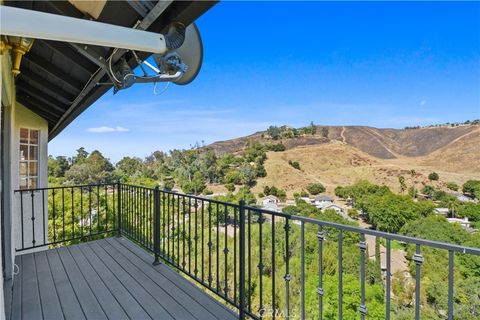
x=269, y=200
x=464, y=197
x=322, y=201
x=306, y=199
x=333, y=206
x=441, y=211
x=463, y=222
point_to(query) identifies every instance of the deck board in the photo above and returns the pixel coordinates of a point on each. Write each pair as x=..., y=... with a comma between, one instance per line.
x=51, y=305
x=106, y=279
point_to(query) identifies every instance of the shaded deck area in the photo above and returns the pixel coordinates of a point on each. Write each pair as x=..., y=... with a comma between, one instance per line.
x=106, y=279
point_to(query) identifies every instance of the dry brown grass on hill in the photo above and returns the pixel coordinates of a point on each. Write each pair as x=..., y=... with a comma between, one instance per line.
x=338, y=164
x=353, y=153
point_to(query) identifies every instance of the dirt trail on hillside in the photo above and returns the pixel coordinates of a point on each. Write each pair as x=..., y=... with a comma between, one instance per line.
x=342, y=134
x=376, y=136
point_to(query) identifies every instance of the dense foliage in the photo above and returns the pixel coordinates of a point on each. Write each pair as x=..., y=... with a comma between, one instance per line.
x=315, y=188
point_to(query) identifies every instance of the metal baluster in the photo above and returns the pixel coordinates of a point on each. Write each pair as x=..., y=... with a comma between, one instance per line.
x=183, y=233
x=418, y=258
x=451, y=256
x=203, y=240
x=63, y=213
x=242, y=260
x=43, y=214
x=302, y=266
x=156, y=225
x=225, y=251
x=21, y=217
x=260, y=221
x=189, y=235
x=169, y=227
x=98, y=208
x=217, y=274
x=164, y=225
x=106, y=209
x=90, y=207
x=195, y=270
x=81, y=212
x=33, y=218
x=73, y=215
x=320, y=290
x=178, y=230
x=273, y=267
x=114, y=207
x=235, y=261
x=210, y=245
x=363, y=247
x=340, y=274
x=287, y=268
x=54, y=216
x=249, y=261
x=388, y=281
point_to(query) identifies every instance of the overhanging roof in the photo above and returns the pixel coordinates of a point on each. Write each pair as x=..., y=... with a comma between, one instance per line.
x=59, y=80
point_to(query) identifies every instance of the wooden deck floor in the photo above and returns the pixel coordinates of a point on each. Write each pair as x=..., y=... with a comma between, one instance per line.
x=106, y=279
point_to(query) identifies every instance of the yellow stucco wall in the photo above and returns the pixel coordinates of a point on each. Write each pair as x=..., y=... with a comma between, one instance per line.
x=15, y=116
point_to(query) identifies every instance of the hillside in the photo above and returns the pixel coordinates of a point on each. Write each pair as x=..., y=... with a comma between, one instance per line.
x=379, y=155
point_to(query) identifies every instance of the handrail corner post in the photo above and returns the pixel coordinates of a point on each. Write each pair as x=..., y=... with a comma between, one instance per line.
x=119, y=208
x=156, y=226
x=242, y=260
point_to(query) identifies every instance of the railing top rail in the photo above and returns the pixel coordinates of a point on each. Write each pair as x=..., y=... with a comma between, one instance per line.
x=386, y=235
x=66, y=187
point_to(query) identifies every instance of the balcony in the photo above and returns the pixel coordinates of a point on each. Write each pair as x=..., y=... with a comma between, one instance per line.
x=118, y=251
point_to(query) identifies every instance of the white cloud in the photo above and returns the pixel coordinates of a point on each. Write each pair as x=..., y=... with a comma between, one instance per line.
x=106, y=129
x=423, y=102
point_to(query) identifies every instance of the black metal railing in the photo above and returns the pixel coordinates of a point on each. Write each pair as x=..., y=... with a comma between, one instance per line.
x=264, y=264
x=65, y=215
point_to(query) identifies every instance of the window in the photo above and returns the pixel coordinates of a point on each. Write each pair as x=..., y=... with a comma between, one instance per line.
x=28, y=158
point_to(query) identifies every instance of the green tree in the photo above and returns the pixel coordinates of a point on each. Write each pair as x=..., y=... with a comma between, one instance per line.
x=58, y=166
x=472, y=187
x=403, y=185
x=129, y=166
x=315, y=188
x=230, y=187
x=294, y=164
x=452, y=186
x=325, y=132
x=92, y=170
x=247, y=175
x=433, y=176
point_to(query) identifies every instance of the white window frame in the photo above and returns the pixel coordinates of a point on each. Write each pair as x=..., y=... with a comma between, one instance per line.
x=29, y=144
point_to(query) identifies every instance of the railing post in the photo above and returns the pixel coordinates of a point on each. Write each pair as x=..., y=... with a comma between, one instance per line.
x=242, y=260
x=156, y=225
x=119, y=208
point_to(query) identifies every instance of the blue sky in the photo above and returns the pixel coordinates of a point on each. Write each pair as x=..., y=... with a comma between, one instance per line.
x=379, y=64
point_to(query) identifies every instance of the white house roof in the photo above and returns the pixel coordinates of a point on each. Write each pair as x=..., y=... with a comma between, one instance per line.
x=323, y=198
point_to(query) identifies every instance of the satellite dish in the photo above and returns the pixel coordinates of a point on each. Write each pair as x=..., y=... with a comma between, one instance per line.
x=187, y=58
x=180, y=64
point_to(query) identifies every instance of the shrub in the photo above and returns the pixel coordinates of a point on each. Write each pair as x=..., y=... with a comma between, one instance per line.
x=294, y=164
x=278, y=147
x=274, y=191
x=433, y=176
x=472, y=187
x=303, y=194
x=169, y=184
x=207, y=192
x=230, y=187
x=315, y=188
x=353, y=213
x=452, y=186
x=233, y=176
